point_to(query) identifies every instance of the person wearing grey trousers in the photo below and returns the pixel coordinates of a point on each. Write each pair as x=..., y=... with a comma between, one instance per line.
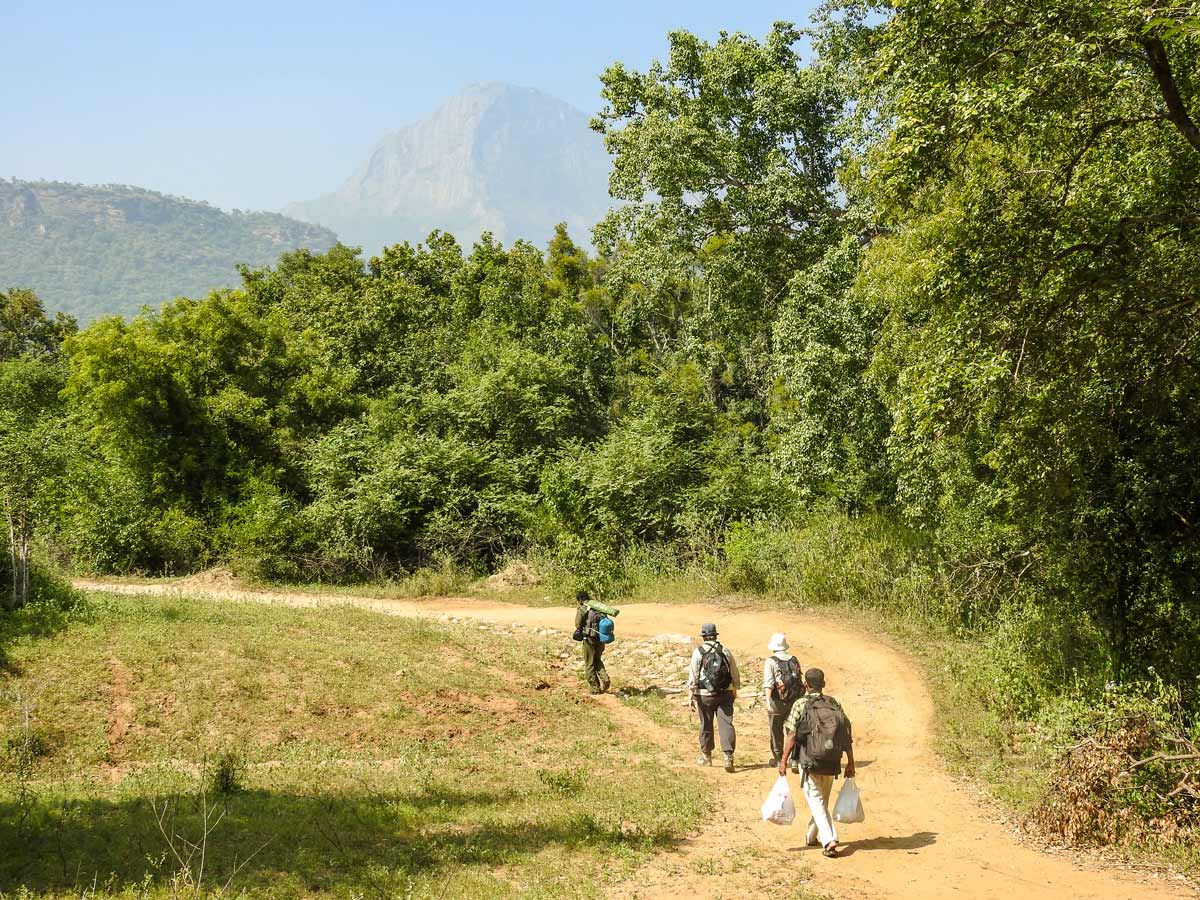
x=713, y=699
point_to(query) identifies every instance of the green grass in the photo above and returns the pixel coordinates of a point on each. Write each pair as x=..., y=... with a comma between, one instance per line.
x=657, y=707
x=342, y=753
x=974, y=735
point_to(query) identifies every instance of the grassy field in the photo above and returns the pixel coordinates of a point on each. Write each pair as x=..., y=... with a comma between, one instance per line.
x=976, y=737
x=326, y=753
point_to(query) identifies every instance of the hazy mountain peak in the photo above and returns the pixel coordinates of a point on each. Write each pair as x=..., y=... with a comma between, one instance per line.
x=493, y=157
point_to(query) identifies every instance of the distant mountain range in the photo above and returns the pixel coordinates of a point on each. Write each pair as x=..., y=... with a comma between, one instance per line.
x=498, y=158
x=93, y=251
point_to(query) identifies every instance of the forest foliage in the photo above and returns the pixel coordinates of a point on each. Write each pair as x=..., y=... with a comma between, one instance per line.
x=931, y=292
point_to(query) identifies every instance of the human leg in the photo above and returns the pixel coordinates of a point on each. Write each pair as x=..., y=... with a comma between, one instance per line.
x=724, y=707
x=777, y=714
x=592, y=665
x=706, y=708
x=601, y=672
x=817, y=789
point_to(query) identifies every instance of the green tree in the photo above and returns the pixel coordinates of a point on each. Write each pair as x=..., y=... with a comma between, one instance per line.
x=195, y=403
x=829, y=425
x=1042, y=190
x=726, y=156
x=31, y=427
x=26, y=329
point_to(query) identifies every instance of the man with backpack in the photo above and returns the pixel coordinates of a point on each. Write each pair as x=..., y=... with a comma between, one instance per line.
x=713, y=681
x=819, y=728
x=587, y=630
x=782, y=685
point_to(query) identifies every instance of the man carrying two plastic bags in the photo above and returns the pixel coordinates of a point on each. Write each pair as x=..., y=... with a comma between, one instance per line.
x=820, y=730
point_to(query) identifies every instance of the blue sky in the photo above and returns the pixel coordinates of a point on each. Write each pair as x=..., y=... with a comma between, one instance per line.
x=253, y=104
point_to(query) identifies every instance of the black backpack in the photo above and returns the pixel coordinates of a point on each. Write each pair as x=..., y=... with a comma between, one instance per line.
x=591, y=625
x=826, y=733
x=787, y=679
x=715, y=674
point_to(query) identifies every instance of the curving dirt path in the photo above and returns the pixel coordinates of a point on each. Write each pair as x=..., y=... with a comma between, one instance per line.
x=925, y=835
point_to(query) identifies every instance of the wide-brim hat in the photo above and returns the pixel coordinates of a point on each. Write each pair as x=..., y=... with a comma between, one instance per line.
x=778, y=642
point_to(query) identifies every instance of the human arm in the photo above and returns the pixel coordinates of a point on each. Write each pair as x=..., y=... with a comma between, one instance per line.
x=788, y=746
x=693, y=677
x=849, y=773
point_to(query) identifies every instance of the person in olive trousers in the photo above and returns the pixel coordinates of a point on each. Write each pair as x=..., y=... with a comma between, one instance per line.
x=593, y=651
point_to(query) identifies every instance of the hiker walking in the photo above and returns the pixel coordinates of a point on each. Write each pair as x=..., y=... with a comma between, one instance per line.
x=782, y=685
x=587, y=630
x=713, y=681
x=819, y=727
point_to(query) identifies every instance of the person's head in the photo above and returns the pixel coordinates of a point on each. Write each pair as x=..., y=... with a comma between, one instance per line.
x=778, y=642
x=708, y=632
x=814, y=680
x=582, y=597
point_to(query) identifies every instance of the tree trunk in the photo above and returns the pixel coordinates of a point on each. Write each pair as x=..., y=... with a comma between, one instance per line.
x=10, y=602
x=20, y=543
x=1160, y=65
x=25, y=540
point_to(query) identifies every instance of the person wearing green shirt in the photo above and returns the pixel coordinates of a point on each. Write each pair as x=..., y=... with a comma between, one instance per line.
x=819, y=765
x=593, y=649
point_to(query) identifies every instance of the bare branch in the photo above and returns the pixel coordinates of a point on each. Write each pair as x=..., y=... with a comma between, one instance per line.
x=1165, y=757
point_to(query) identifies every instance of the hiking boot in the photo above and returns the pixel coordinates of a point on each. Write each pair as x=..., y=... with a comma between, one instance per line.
x=795, y=769
x=728, y=762
x=773, y=764
x=704, y=760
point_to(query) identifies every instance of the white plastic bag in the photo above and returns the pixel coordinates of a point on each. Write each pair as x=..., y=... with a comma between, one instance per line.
x=778, y=808
x=848, y=808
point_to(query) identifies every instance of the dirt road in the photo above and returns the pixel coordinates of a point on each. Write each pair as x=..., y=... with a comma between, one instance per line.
x=925, y=836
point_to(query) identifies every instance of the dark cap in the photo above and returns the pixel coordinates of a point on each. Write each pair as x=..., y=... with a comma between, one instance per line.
x=708, y=629
x=815, y=679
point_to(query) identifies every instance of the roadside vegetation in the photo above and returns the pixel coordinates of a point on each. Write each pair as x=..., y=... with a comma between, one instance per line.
x=907, y=326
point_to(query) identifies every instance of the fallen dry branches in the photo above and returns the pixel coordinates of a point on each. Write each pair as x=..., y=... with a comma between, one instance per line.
x=1134, y=780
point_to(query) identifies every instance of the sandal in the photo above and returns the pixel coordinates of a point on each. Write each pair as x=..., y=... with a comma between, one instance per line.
x=831, y=851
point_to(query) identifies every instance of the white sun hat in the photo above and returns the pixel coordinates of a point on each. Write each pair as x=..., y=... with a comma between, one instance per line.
x=778, y=642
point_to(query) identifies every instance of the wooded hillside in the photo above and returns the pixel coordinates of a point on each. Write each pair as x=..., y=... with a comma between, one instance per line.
x=93, y=251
